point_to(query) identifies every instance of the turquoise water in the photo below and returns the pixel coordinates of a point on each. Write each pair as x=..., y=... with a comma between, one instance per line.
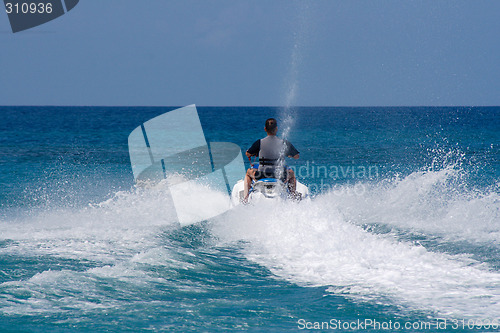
x=403, y=227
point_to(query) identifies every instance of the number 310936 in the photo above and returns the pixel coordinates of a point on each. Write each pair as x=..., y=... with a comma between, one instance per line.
x=29, y=8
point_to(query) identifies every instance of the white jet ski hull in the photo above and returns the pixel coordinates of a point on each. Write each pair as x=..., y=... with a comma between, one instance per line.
x=266, y=189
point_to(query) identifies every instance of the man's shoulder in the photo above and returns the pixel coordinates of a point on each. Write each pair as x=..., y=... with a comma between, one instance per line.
x=256, y=143
x=255, y=147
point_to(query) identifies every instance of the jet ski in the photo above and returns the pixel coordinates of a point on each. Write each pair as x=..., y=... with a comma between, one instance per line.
x=267, y=189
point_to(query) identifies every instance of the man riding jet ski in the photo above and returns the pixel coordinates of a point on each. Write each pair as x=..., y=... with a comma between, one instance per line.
x=270, y=178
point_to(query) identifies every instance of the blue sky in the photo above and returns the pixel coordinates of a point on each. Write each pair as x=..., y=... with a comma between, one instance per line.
x=231, y=53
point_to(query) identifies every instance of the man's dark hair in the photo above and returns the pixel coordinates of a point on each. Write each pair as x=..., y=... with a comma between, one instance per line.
x=271, y=126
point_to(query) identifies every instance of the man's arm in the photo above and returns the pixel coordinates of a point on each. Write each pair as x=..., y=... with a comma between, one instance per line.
x=292, y=151
x=254, y=149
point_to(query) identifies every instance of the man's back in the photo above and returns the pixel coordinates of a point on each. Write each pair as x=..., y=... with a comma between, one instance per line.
x=271, y=148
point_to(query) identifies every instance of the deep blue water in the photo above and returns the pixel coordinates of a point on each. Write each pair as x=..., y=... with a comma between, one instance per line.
x=404, y=225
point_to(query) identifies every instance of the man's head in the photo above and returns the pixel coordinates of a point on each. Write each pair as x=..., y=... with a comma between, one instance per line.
x=271, y=126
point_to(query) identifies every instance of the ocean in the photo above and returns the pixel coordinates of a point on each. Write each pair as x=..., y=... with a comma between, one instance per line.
x=402, y=231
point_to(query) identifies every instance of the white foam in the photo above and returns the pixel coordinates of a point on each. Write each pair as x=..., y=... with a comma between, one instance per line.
x=433, y=202
x=115, y=229
x=116, y=237
x=317, y=244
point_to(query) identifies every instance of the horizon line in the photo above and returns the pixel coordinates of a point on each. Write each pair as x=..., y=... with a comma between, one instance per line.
x=259, y=106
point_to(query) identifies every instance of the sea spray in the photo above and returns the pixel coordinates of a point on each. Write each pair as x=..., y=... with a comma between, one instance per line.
x=322, y=243
x=288, y=115
x=422, y=242
x=301, y=35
